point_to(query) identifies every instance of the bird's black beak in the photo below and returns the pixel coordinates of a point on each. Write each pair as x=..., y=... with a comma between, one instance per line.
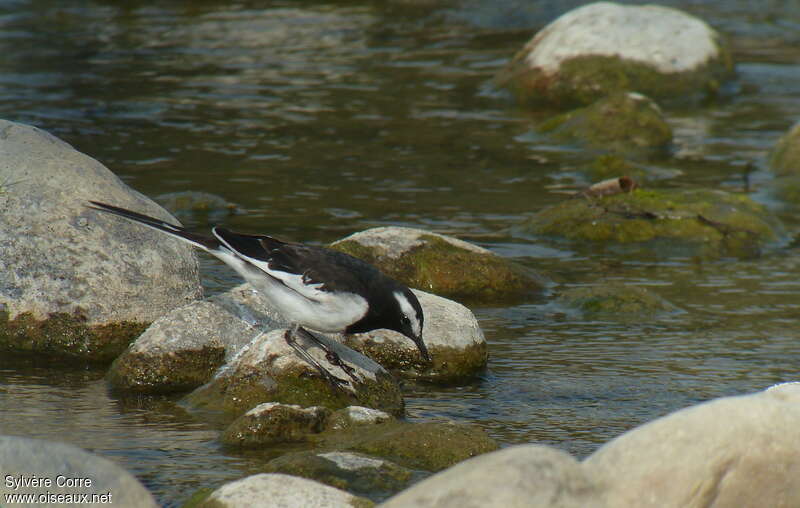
x=422, y=348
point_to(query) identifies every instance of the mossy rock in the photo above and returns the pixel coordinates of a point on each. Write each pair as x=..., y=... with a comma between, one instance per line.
x=179, y=371
x=655, y=50
x=582, y=80
x=425, y=446
x=354, y=472
x=615, y=301
x=624, y=123
x=271, y=423
x=441, y=265
x=271, y=371
x=705, y=223
x=66, y=335
x=784, y=159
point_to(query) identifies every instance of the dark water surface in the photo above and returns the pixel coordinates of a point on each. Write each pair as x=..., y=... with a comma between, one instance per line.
x=322, y=119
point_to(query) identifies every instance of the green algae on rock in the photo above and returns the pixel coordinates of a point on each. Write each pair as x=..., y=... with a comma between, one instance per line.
x=659, y=51
x=440, y=264
x=704, y=223
x=615, y=301
x=66, y=335
x=624, y=123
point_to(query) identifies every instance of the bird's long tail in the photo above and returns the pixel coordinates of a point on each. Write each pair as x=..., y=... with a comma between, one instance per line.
x=207, y=243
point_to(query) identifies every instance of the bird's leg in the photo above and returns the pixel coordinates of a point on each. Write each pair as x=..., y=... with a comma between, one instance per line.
x=330, y=354
x=289, y=336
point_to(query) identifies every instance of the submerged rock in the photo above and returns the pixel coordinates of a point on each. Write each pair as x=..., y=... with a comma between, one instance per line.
x=605, y=47
x=523, y=476
x=189, y=202
x=70, y=471
x=425, y=446
x=615, y=301
x=451, y=333
x=74, y=282
x=271, y=423
x=785, y=156
x=623, y=123
x=705, y=223
x=735, y=451
x=280, y=490
x=440, y=264
x=354, y=472
x=269, y=370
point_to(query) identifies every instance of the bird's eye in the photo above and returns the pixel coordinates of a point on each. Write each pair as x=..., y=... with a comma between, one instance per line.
x=405, y=320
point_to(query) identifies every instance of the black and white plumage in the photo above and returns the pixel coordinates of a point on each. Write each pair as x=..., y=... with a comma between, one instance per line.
x=313, y=287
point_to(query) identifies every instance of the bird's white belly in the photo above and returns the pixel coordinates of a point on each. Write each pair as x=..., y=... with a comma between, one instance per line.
x=319, y=310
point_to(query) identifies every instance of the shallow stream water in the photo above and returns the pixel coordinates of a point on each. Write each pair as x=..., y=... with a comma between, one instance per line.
x=322, y=119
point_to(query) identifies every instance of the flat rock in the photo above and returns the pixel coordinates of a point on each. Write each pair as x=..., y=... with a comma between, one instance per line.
x=731, y=452
x=73, y=281
x=269, y=370
x=441, y=264
x=63, y=469
x=606, y=47
x=280, y=491
x=523, y=476
x=451, y=333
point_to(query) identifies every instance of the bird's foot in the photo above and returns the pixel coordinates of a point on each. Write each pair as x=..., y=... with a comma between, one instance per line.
x=336, y=382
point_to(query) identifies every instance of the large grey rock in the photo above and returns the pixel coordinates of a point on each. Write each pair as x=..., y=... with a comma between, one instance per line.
x=88, y=279
x=524, y=476
x=280, y=491
x=604, y=47
x=731, y=452
x=63, y=469
x=450, y=331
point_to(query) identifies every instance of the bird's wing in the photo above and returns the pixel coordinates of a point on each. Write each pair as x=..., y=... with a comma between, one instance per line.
x=312, y=271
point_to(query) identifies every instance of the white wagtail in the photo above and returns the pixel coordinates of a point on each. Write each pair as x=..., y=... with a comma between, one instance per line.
x=314, y=287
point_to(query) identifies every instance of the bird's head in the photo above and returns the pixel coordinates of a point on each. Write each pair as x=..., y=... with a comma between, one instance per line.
x=410, y=319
